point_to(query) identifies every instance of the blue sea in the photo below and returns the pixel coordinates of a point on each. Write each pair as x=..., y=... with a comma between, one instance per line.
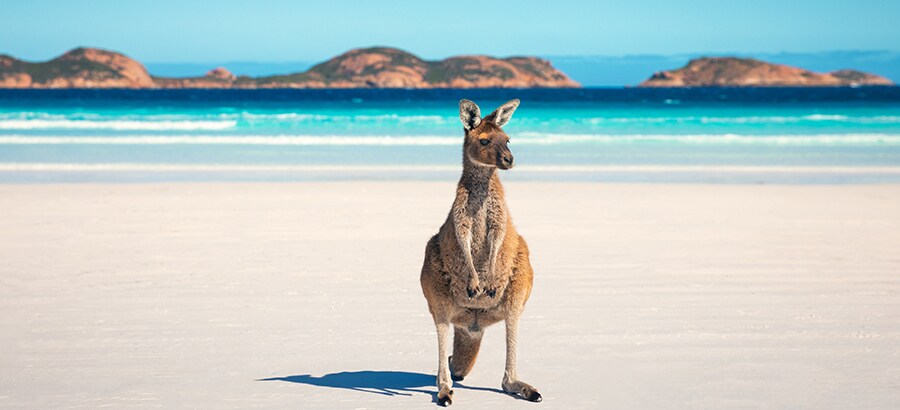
x=718, y=135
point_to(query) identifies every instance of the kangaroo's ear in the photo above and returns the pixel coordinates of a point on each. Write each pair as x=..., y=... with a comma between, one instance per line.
x=502, y=115
x=470, y=114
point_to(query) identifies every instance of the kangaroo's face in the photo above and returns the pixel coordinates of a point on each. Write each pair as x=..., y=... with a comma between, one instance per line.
x=486, y=144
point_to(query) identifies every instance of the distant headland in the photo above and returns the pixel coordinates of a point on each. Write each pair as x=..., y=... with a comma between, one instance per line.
x=376, y=67
x=384, y=67
x=748, y=72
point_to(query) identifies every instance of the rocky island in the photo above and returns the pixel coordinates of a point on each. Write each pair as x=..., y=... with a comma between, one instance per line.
x=377, y=67
x=748, y=72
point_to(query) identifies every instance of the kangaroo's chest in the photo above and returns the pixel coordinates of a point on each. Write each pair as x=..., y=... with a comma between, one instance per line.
x=487, y=212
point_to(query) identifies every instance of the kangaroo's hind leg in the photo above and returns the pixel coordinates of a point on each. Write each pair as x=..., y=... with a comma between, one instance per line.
x=519, y=291
x=444, y=383
x=511, y=382
x=439, y=304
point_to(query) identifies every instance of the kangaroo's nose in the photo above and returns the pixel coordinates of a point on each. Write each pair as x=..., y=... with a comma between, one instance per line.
x=508, y=160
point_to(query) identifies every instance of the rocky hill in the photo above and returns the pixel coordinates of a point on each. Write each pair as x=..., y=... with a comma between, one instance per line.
x=377, y=67
x=215, y=78
x=747, y=72
x=383, y=67
x=78, y=68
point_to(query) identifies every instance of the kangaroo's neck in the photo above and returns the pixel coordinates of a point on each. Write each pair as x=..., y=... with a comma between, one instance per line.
x=478, y=177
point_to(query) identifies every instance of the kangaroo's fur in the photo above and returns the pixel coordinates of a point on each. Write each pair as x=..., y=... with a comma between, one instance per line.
x=476, y=270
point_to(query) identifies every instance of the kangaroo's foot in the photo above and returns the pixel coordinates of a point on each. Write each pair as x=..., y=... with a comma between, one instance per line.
x=445, y=396
x=521, y=389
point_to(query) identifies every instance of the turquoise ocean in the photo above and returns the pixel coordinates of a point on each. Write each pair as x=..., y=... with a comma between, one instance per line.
x=718, y=135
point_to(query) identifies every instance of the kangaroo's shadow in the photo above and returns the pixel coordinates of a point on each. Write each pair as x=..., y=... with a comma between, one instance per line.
x=388, y=383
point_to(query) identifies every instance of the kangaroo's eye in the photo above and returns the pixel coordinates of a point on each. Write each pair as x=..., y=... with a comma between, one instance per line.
x=484, y=142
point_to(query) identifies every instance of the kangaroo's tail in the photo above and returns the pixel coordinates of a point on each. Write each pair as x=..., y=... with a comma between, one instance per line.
x=465, y=350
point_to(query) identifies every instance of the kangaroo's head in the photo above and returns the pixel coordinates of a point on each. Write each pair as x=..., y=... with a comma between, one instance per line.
x=486, y=144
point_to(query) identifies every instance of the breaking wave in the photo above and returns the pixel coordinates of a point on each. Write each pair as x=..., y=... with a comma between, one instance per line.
x=198, y=121
x=762, y=119
x=527, y=138
x=227, y=116
x=116, y=125
x=163, y=167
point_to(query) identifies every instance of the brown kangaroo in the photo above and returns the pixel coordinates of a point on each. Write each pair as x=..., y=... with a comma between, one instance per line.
x=476, y=271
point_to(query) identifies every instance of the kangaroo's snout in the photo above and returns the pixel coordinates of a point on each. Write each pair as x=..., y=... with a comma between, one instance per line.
x=505, y=160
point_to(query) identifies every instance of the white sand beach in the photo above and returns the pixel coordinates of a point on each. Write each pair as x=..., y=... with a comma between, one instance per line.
x=306, y=295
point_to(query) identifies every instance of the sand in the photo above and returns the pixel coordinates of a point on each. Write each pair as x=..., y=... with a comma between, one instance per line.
x=306, y=295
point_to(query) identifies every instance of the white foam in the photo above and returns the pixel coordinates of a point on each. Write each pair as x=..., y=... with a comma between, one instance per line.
x=715, y=139
x=307, y=116
x=823, y=117
x=760, y=119
x=231, y=140
x=282, y=116
x=78, y=116
x=525, y=138
x=138, y=167
x=117, y=125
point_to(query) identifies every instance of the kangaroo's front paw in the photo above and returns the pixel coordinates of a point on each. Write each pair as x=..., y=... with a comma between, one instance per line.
x=522, y=389
x=473, y=288
x=445, y=396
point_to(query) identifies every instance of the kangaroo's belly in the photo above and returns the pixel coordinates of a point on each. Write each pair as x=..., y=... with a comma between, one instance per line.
x=474, y=320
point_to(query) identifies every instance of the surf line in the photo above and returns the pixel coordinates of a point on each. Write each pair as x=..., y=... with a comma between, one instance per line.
x=163, y=167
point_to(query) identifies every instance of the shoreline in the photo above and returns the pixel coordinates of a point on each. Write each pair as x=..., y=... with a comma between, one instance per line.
x=48, y=173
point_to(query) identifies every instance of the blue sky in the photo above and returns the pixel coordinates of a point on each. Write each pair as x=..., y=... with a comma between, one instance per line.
x=223, y=30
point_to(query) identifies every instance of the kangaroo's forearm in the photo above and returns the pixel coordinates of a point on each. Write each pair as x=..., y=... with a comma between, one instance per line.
x=495, y=241
x=464, y=239
x=465, y=243
x=463, y=231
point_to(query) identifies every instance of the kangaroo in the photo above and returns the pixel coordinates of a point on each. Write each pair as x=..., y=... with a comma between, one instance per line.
x=476, y=270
